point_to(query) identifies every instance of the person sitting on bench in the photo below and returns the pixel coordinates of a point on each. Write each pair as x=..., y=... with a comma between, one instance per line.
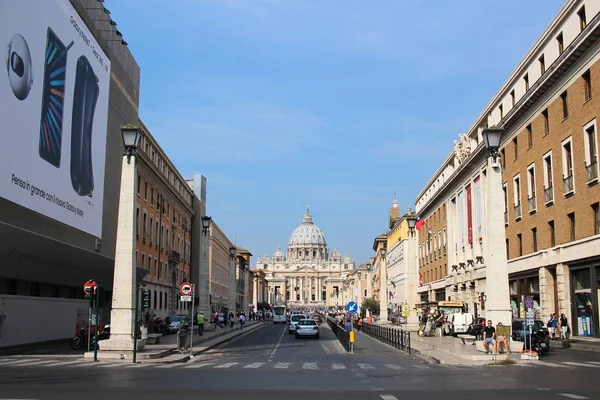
x=489, y=337
x=502, y=337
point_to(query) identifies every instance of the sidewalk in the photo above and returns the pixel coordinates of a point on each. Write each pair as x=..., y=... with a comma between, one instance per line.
x=166, y=350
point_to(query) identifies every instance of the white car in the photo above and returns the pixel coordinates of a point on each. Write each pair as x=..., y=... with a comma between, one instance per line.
x=294, y=321
x=307, y=327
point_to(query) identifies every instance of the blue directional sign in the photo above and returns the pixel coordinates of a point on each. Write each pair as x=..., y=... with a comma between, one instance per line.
x=352, y=307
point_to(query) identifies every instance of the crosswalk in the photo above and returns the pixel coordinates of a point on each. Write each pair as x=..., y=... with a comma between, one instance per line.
x=226, y=365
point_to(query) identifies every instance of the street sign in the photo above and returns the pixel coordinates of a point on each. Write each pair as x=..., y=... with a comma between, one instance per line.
x=529, y=302
x=89, y=287
x=405, y=310
x=530, y=317
x=185, y=289
x=145, y=300
x=185, y=298
x=352, y=307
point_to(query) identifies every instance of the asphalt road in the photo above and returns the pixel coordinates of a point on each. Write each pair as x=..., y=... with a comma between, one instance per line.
x=268, y=363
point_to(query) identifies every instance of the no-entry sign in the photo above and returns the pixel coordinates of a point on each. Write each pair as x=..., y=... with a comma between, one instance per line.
x=185, y=289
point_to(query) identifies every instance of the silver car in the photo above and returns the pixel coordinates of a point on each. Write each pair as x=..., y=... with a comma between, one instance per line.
x=307, y=327
x=294, y=319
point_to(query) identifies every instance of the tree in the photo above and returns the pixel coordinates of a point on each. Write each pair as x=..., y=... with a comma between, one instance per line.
x=371, y=304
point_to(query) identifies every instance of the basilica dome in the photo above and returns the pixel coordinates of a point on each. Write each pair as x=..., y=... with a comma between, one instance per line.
x=307, y=234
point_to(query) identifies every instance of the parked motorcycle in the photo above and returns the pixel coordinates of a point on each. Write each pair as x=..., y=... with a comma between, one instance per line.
x=81, y=338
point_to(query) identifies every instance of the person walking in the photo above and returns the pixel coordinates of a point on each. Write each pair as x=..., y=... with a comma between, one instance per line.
x=242, y=320
x=200, y=321
x=564, y=326
x=552, y=324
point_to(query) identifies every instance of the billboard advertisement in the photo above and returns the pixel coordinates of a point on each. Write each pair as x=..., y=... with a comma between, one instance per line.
x=54, y=108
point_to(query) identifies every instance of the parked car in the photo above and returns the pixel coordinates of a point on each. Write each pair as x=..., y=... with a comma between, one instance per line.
x=540, y=334
x=307, y=328
x=459, y=323
x=476, y=328
x=178, y=321
x=294, y=319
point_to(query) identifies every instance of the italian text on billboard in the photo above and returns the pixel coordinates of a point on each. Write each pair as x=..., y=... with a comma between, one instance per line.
x=54, y=109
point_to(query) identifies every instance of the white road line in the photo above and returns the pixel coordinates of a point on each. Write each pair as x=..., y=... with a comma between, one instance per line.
x=199, y=365
x=137, y=365
x=278, y=343
x=594, y=362
x=282, y=365
x=572, y=396
x=393, y=366
x=338, y=366
x=227, y=365
x=366, y=366
x=63, y=363
x=582, y=364
x=524, y=365
x=310, y=366
x=255, y=365
x=547, y=364
x=325, y=348
x=421, y=366
x=388, y=397
x=42, y=362
x=172, y=365
x=19, y=362
x=360, y=375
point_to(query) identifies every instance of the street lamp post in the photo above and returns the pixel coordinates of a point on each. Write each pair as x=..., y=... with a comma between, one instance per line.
x=204, y=273
x=497, y=306
x=412, y=322
x=124, y=282
x=383, y=292
x=232, y=286
x=359, y=274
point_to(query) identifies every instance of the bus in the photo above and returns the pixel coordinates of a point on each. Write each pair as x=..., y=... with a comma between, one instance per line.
x=279, y=314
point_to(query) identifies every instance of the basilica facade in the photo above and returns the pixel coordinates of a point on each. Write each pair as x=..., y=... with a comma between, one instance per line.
x=306, y=274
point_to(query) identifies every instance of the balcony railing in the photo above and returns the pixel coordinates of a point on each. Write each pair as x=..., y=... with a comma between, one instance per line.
x=531, y=203
x=568, y=184
x=591, y=172
x=549, y=195
x=517, y=211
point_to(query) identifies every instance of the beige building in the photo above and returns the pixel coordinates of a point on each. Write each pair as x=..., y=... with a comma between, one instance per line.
x=306, y=273
x=219, y=257
x=548, y=109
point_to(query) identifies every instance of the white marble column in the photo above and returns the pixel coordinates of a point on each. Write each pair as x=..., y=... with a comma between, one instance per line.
x=497, y=306
x=124, y=281
x=412, y=297
x=301, y=286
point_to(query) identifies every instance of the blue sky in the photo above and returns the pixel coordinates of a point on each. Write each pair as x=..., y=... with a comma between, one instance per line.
x=328, y=103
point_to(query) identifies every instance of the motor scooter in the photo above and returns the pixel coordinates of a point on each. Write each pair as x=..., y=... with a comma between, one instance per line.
x=81, y=338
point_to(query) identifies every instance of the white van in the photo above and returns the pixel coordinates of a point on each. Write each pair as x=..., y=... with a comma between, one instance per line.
x=459, y=323
x=279, y=314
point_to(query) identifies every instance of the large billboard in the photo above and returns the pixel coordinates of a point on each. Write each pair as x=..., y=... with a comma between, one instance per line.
x=53, y=113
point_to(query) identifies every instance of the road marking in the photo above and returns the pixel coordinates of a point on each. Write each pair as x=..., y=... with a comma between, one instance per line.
x=392, y=366
x=226, y=365
x=547, y=364
x=388, y=397
x=421, y=366
x=63, y=363
x=172, y=365
x=199, y=365
x=582, y=364
x=572, y=396
x=543, y=388
x=278, y=343
x=524, y=365
x=594, y=362
x=254, y=365
x=282, y=365
x=366, y=366
x=338, y=366
x=310, y=366
x=41, y=362
x=360, y=375
x=325, y=348
x=18, y=362
x=137, y=365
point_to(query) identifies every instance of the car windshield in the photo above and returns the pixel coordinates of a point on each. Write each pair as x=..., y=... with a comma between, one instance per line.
x=296, y=318
x=175, y=318
x=279, y=311
x=307, y=322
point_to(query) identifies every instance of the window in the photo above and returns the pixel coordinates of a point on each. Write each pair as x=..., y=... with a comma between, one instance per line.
x=542, y=62
x=145, y=190
x=143, y=264
x=139, y=183
x=546, y=122
x=144, y=231
x=137, y=222
x=587, y=85
x=505, y=190
x=548, y=181
x=517, y=196
x=512, y=98
x=520, y=244
x=516, y=147
x=591, y=151
x=565, y=104
x=567, y=164
x=155, y=271
x=501, y=109
x=531, y=200
x=151, y=196
x=596, y=211
x=526, y=81
x=160, y=270
x=507, y=249
x=529, y=136
x=560, y=43
x=582, y=19
x=503, y=158
x=136, y=258
x=552, y=233
x=150, y=226
x=571, y=217
x=534, y=239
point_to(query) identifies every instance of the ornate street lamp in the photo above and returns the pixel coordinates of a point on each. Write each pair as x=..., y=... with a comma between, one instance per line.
x=131, y=139
x=205, y=224
x=491, y=138
x=232, y=250
x=412, y=222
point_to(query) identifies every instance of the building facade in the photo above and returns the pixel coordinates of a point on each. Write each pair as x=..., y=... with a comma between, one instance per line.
x=164, y=214
x=307, y=273
x=548, y=109
x=219, y=270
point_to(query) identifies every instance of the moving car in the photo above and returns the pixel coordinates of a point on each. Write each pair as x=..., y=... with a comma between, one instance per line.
x=294, y=319
x=307, y=327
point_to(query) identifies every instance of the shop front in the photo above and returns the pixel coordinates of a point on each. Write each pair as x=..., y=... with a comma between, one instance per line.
x=585, y=293
x=520, y=287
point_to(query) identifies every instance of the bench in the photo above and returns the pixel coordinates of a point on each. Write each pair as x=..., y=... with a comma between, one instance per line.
x=153, y=338
x=467, y=339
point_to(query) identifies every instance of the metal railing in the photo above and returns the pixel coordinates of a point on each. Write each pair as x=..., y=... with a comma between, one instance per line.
x=531, y=203
x=517, y=211
x=591, y=172
x=397, y=338
x=568, y=184
x=548, y=194
x=342, y=335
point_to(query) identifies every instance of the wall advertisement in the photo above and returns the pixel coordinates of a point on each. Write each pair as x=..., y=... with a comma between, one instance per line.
x=54, y=94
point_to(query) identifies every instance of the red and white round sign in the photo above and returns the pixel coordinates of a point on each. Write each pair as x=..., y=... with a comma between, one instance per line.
x=185, y=289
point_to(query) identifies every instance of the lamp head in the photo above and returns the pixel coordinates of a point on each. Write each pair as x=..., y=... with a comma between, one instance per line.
x=412, y=221
x=382, y=251
x=131, y=139
x=206, y=222
x=491, y=138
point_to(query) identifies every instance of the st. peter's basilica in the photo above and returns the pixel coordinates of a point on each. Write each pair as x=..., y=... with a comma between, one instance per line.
x=306, y=273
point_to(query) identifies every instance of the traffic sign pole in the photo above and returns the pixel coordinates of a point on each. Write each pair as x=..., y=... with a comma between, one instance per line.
x=192, y=330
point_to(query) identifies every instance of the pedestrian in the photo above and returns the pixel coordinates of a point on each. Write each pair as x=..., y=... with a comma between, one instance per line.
x=552, y=324
x=200, y=321
x=359, y=324
x=564, y=326
x=242, y=320
x=489, y=337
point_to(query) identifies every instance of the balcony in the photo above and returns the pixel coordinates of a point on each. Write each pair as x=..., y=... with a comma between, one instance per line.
x=174, y=257
x=531, y=204
x=549, y=195
x=517, y=211
x=568, y=184
x=591, y=172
